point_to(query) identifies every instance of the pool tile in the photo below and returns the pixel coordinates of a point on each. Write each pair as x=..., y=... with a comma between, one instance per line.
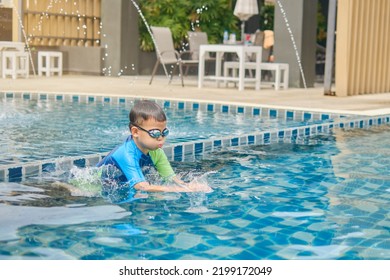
x=15, y=174
x=208, y=146
x=80, y=162
x=199, y=148
x=3, y=173
x=178, y=153
x=32, y=170
x=48, y=167
x=273, y=113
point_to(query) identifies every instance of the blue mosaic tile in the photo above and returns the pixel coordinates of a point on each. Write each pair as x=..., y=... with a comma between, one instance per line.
x=273, y=113
x=59, y=97
x=351, y=124
x=307, y=131
x=240, y=110
x=167, y=104
x=75, y=98
x=225, y=109
x=370, y=122
x=251, y=139
x=319, y=128
x=180, y=105
x=106, y=99
x=178, y=153
x=290, y=115
x=195, y=106
x=256, y=111
x=281, y=134
x=49, y=167
x=122, y=100
x=361, y=124
x=379, y=121
x=234, y=142
x=198, y=148
x=91, y=99
x=267, y=138
x=43, y=97
x=79, y=162
x=307, y=116
x=295, y=133
x=9, y=95
x=217, y=143
x=26, y=96
x=341, y=125
x=15, y=174
x=210, y=107
x=324, y=117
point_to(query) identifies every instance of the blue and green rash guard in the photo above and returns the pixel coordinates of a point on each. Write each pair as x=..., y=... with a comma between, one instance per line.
x=125, y=166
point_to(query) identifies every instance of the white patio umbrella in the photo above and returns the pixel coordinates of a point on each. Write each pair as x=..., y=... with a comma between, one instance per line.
x=244, y=10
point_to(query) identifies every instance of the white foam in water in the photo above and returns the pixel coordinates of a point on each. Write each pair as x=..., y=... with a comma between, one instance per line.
x=85, y=181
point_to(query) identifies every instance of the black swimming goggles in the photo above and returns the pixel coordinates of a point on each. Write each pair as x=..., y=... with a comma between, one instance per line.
x=154, y=133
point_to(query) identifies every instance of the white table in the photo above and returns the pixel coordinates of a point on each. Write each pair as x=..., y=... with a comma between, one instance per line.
x=241, y=50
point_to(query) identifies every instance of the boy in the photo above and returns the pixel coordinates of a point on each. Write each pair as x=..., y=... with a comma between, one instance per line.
x=124, y=167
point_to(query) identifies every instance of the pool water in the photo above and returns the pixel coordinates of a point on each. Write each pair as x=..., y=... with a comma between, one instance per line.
x=34, y=130
x=324, y=198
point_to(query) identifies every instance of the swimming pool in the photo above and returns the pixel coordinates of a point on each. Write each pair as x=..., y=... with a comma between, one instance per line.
x=309, y=186
x=324, y=198
x=42, y=126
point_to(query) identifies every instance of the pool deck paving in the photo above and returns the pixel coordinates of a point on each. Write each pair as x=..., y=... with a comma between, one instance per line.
x=312, y=99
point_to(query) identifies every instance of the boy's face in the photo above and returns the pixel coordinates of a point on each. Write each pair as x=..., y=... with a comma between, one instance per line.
x=142, y=138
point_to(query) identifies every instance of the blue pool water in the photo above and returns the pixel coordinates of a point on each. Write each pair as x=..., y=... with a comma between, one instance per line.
x=324, y=198
x=35, y=129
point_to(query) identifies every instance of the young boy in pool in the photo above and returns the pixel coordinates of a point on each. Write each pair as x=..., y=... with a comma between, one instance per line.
x=123, y=168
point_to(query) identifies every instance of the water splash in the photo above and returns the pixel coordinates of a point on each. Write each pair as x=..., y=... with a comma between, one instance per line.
x=151, y=34
x=24, y=35
x=284, y=14
x=198, y=200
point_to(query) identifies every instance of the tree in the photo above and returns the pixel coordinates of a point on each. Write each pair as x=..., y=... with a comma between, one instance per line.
x=210, y=16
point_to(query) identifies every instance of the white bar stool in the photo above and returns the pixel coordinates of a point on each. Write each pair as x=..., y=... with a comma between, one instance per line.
x=49, y=62
x=15, y=63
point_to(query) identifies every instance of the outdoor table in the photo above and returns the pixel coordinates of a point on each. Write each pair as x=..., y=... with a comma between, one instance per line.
x=241, y=50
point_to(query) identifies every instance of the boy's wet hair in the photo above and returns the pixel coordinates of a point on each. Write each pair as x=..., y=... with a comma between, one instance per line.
x=144, y=110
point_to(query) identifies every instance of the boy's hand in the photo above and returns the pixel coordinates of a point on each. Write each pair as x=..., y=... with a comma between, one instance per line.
x=199, y=187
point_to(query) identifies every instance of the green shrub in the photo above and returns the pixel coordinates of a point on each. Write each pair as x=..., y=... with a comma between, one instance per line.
x=210, y=16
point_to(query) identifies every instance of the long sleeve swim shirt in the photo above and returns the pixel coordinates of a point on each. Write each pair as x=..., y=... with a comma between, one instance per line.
x=127, y=164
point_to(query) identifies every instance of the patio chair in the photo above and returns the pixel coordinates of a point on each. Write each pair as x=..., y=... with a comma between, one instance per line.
x=195, y=39
x=166, y=53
